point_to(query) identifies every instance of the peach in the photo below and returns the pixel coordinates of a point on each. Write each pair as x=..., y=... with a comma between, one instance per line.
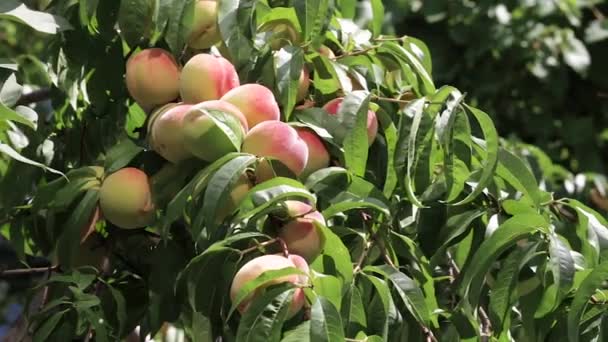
x=303, y=85
x=205, y=139
x=278, y=140
x=204, y=25
x=300, y=234
x=167, y=134
x=333, y=107
x=207, y=77
x=152, y=77
x=281, y=32
x=327, y=52
x=125, y=198
x=257, y=266
x=318, y=157
x=255, y=101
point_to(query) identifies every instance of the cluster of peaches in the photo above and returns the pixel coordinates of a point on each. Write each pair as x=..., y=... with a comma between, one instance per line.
x=202, y=111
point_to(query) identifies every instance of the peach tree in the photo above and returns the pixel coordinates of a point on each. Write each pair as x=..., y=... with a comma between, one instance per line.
x=271, y=171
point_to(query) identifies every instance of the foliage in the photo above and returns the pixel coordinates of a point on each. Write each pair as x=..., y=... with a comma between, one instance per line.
x=536, y=66
x=440, y=230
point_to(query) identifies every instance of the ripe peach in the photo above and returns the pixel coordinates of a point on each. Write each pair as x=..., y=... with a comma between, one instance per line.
x=281, y=32
x=204, y=138
x=303, y=85
x=278, y=140
x=167, y=134
x=333, y=106
x=152, y=77
x=318, y=157
x=255, y=101
x=206, y=77
x=125, y=199
x=300, y=234
x=204, y=28
x=257, y=266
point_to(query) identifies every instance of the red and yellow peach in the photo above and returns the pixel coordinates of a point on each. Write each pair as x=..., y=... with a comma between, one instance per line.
x=255, y=101
x=300, y=234
x=207, y=77
x=152, y=77
x=333, y=107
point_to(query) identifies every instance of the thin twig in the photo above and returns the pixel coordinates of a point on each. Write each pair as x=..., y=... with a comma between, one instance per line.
x=259, y=245
x=356, y=53
x=597, y=13
x=25, y=271
x=366, y=248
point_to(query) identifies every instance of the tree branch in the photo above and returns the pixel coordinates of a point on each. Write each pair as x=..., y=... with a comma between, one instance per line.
x=34, y=96
x=26, y=271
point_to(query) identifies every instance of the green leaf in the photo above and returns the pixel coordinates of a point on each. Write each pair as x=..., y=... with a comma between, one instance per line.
x=273, y=191
x=513, y=170
x=562, y=265
x=220, y=185
x=264, y=319
x=46, y=329
x=505, y=236
x=39, y=21
x=120, y=155
x=366, y=203
x=378, y=17
x=587, y=289
x=301, y=333
x=325, y=322
x=288, y=64
x=313, y=16
x=403, y=54
x=355, y=141
x=407, y=289
x=329, y=287
x=9, y=151
x=490, y=146
x=180, y=23
x=262, y=280
x=136, y=20
x=353, y=311
x=456, y=228
x=235, y=19
x=335, y=259
x=67, y=245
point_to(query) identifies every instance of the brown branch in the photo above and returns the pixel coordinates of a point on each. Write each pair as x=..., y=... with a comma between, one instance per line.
x=26, y=271
x=34, y=96
x=264, y=244
x=597, y=13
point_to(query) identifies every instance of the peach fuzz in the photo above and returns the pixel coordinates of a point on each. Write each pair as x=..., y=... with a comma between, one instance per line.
x=318, y=157
x=300, y=233
x=256, y=267
x=125, y=199
x=207, y=77
x=333, y=107
x=204, y=25
x=255, y=101
x=152, y=77
x=167, y=134
x=278, y=140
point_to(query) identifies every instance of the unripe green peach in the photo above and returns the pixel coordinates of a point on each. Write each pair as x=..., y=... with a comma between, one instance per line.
x=204, y=25
x=255, y=101
x=167, y=133
x=281, y=33
x=152, y=78
x=278, y=140
x=318, y=157
x=125, y=199
x=333, y=106
x=303, y=85
x=257, y=266
x=300, y=233
x=204, y=136
x=207, y=77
